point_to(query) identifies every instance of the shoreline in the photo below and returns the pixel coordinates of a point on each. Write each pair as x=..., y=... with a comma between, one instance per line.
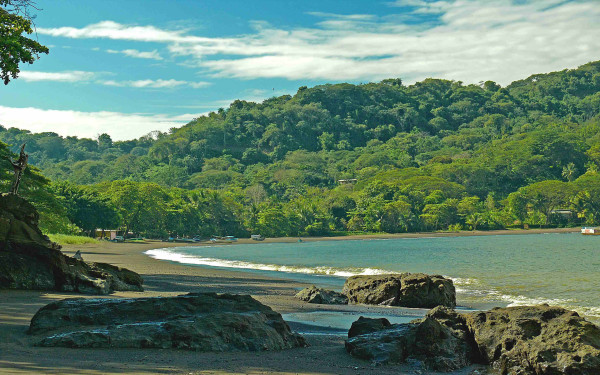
x=326, y=355
x=386, y=236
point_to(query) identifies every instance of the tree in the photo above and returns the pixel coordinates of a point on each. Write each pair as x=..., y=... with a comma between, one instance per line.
x=14, y=47
x=85, y=208
x=569, y=171
x=104, y=141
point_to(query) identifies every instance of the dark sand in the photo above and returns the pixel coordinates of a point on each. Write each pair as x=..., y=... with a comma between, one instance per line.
x=326, y=355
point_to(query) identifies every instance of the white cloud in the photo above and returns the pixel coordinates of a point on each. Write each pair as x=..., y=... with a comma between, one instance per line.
x=471, y=40
x=80, y=76
x=113, y=30
x=70, y=76
x=120, y=126
x=153, y=55
x=423, y=6
x=155, y=84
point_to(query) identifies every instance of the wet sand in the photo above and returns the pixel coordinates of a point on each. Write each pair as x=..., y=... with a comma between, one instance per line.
x=326, y=355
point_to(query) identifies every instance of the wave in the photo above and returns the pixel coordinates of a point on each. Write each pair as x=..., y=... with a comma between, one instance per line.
x=164, y=254
x=474, y=288
x=469, y=288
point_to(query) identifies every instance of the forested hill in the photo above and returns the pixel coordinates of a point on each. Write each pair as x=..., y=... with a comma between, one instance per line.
x=481, y=142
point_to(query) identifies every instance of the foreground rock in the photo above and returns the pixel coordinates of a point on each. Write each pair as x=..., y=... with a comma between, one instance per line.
x=438, y=342
x=313, y=294
x=368, y=325
x=540, y=340
x=200, y=322
x=537, y=340
x=28, y=260
x=405, y=289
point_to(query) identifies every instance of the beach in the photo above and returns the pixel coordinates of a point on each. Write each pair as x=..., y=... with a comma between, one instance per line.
x=326, y=354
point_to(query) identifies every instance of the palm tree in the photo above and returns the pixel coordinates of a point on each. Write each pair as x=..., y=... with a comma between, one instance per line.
x=569, y=171
x=474, y=220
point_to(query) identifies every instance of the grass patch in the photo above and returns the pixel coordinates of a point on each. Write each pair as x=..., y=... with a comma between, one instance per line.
x=66, y=239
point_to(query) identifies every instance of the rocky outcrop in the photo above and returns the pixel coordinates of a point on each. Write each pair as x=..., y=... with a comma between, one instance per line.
x=526, y=340
x=19, y=224
x=541, y=340
x=438, y=342
x=313, y=294
x=200, y=322
x=368, y=325
x=29, y=260
x=405, y=289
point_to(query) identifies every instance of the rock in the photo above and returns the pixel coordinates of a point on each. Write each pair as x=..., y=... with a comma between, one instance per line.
x=367, y=325
x=29, y=260
x=540, y=340
x=405, y=289
x=200, y=322
x=526, y=340
x=313, y=294
x=438, y=341
x=19, y=224
x=120, y=278
x=387, y=346
x=441, y=340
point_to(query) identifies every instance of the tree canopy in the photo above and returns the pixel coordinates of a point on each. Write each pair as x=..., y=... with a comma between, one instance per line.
x=15, y=46
x=376, y=157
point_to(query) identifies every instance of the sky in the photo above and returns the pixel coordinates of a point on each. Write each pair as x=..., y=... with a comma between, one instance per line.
x=127, y=68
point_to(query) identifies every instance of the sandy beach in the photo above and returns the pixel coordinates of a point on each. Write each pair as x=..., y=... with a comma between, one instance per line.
x=326, y=354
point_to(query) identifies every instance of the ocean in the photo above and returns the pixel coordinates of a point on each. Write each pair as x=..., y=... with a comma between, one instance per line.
x=496, y=270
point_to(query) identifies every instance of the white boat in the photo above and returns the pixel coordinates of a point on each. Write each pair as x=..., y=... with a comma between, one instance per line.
x=590, y=231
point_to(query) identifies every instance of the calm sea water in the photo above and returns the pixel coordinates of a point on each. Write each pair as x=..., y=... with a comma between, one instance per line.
x=558, y=269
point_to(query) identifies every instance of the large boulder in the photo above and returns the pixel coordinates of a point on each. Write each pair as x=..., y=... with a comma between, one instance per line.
x=19, y=224
x=526, y=340
x=368, y=325
x=438, y=341
x=405, y=289
x=29, y=260
x=200, y=322
x=540, y=340
x=313, y=294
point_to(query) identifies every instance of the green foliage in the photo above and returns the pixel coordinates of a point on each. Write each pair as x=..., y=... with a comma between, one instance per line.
x=65, y=239
x=15, y=48
x=86, y=208
x=378, y=157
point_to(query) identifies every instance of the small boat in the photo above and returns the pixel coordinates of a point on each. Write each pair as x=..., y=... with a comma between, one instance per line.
x=183, y=240
x=590, y=231
x=226, y=239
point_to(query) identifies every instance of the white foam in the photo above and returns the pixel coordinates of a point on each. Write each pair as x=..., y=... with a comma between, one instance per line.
x=475, y=288
x=165, y=254
x=469, y=286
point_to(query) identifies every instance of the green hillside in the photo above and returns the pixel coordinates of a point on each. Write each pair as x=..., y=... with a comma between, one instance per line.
x=428, y=156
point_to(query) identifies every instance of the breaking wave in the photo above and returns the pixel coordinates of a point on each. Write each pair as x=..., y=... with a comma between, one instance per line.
x=174, y=256
x=467, y=289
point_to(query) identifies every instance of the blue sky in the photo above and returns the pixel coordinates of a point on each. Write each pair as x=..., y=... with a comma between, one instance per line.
x=130, y=67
